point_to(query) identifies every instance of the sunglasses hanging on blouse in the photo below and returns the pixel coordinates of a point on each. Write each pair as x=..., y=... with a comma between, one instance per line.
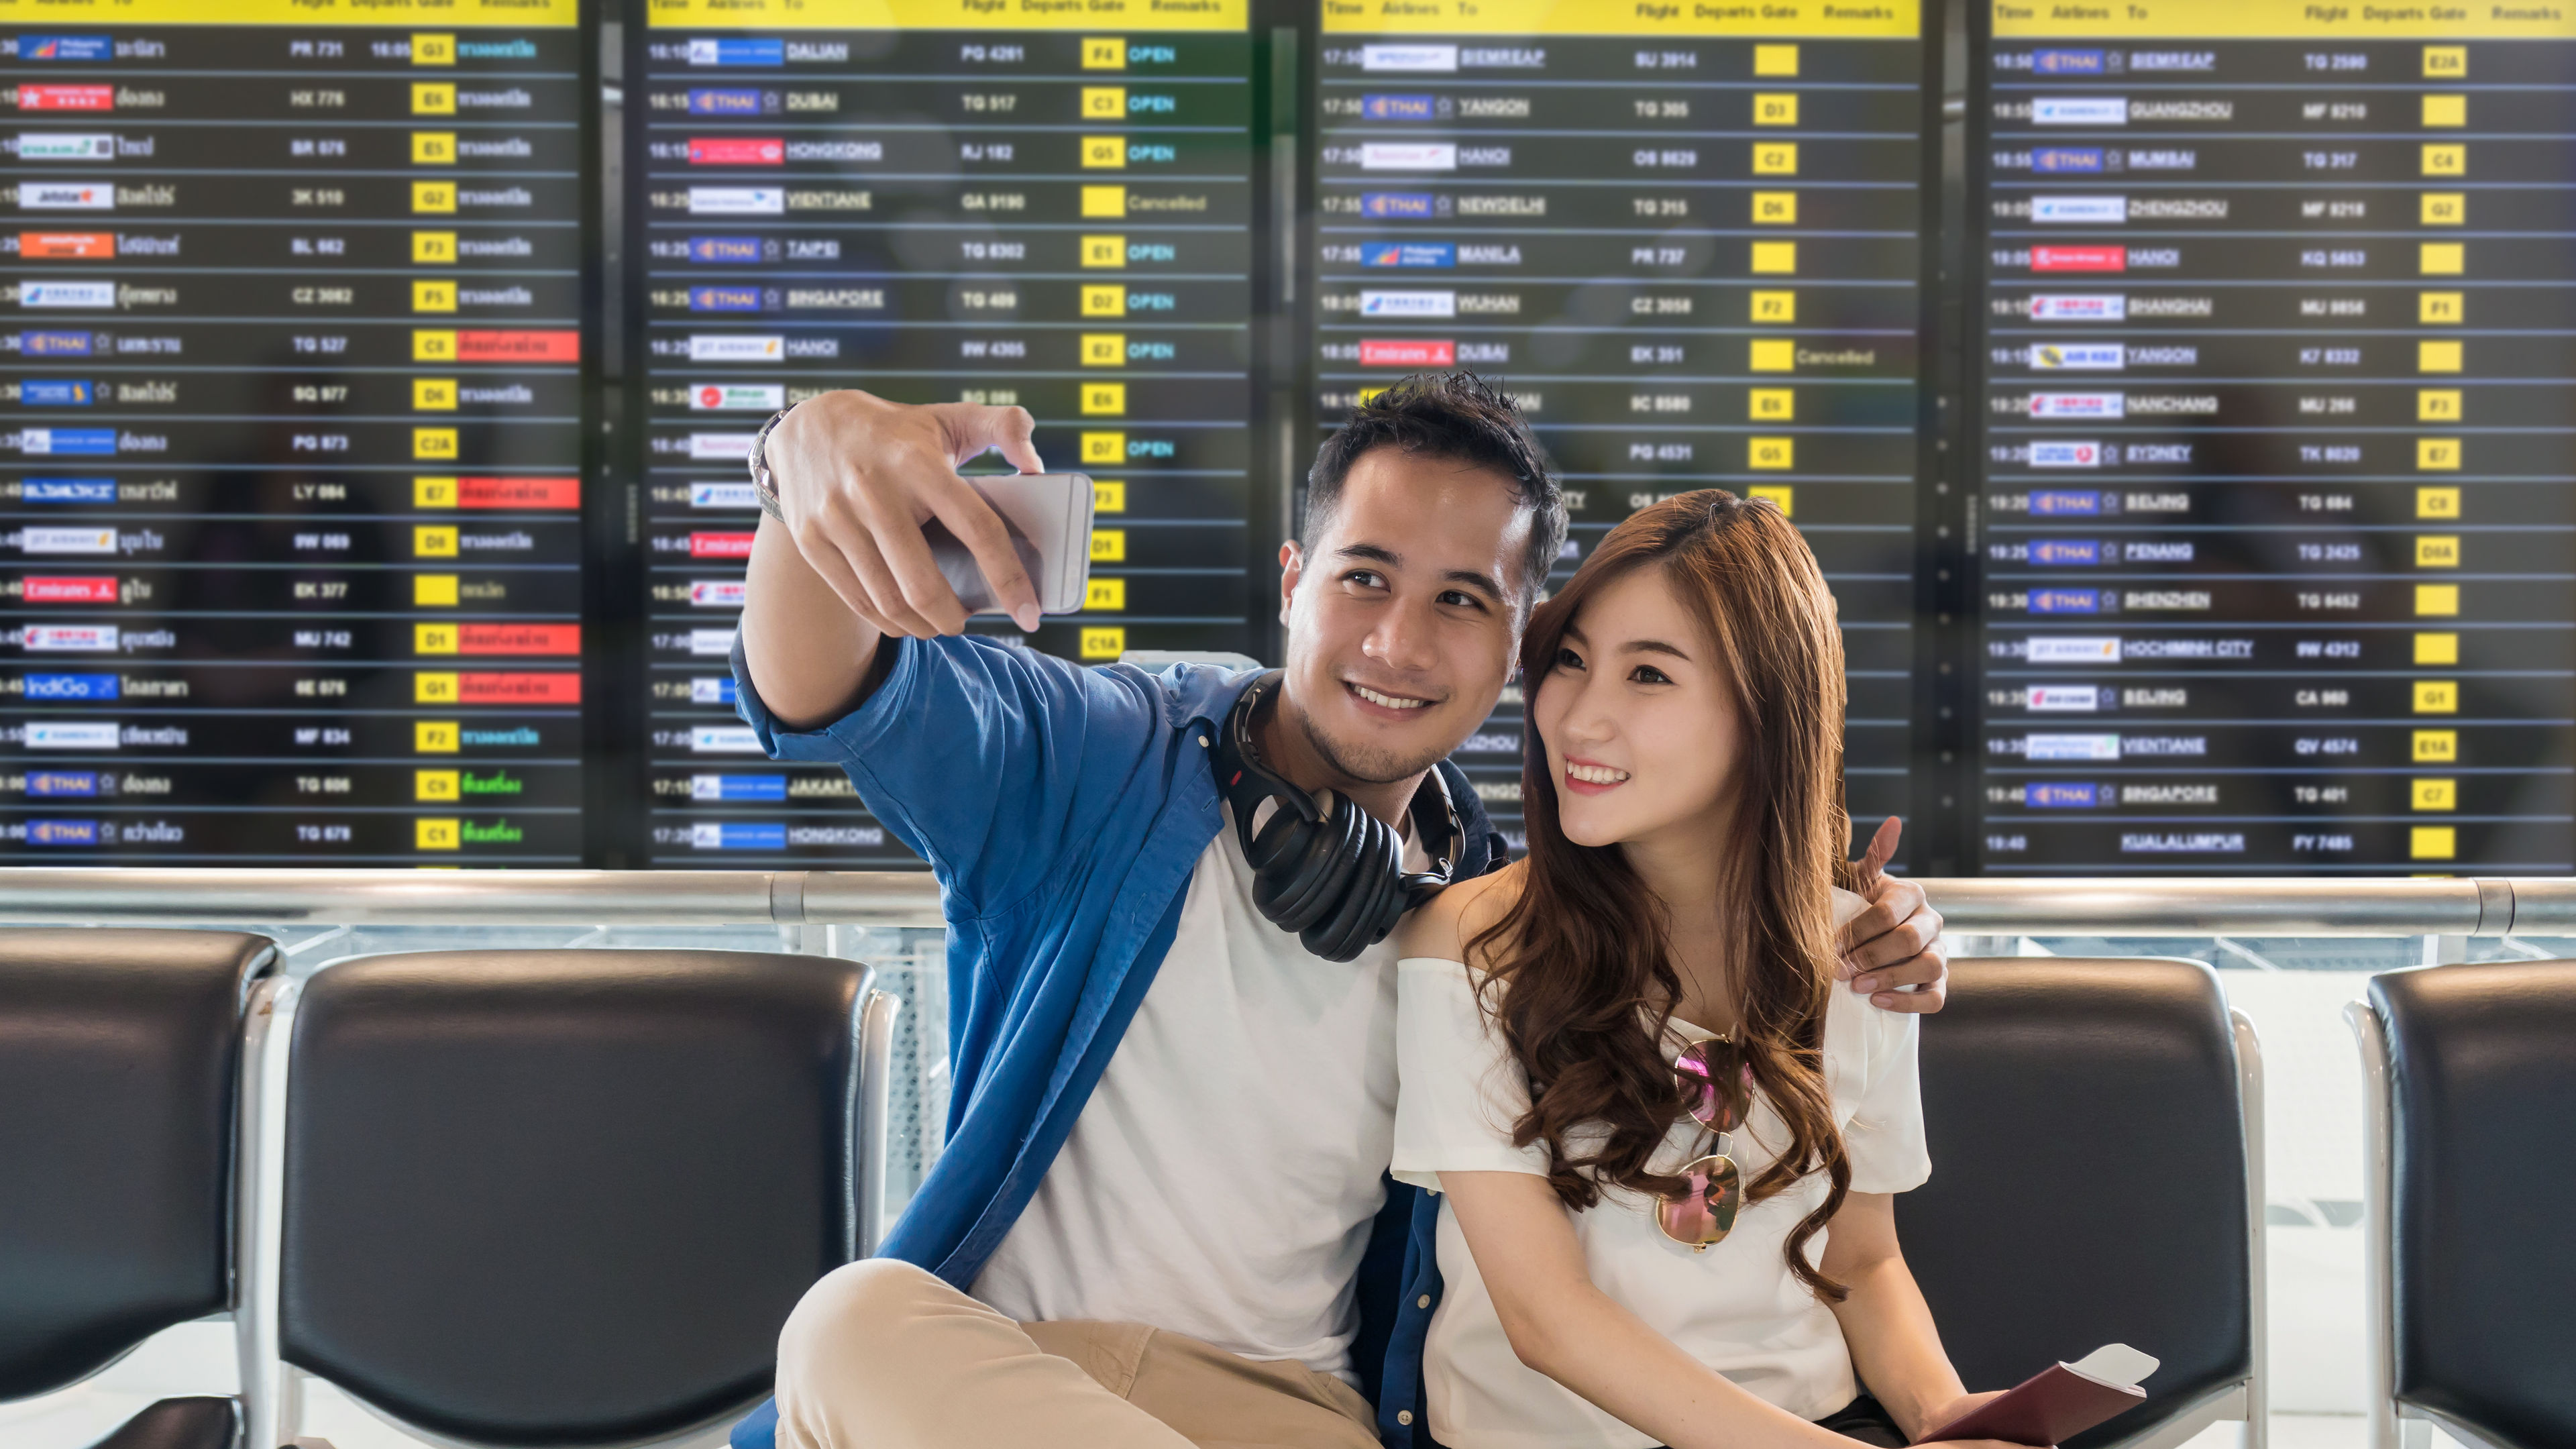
x=1713, y=1076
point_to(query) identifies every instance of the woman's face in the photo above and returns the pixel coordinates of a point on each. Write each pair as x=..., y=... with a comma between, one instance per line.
x=1638, y=717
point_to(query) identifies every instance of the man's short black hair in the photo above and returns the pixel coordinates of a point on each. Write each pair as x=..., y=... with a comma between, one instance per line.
x=1456, y=416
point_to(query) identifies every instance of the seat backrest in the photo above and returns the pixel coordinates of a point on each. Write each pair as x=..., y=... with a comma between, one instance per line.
x=2089, y=1179
x=2482, y=1074
x=564, y=1197
x=119, y=1055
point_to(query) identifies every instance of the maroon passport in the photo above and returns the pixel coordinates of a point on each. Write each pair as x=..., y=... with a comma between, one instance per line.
x=2058, y=1402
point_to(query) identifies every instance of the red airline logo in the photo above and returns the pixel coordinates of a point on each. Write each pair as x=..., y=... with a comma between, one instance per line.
x=562, y=346
x=40, y=590
x=518, y=639
x=2079, y=259
x=478, y=688
x=737, y=151
x=518, y=493
x=66, y=98
x=1408, y=352
x=67, y=246
x=720, y=545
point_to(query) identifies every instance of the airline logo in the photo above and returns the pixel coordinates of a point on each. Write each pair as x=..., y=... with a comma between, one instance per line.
x=2079, y=209
x=69, y=639
x=66, y=196
x=767, y=397
x=37, y=589
x=2072, y=649
x=737, y=201
x=2066, y=455
x=724, y=740
x=720, y=545
x=737, y=835
x=2080, y=111
x=2067, y=62
x=53, y=393
x=2065, y=601
x=36, y=540
x=2079, y=307
x=67, y=294
x=67, y=490
x=723, y=249
x=737, y=349
x=1408, y=304
x=724, y=299
x=59, y=783
x=65, y=146
x=66, y=47
x=1408, y=254
x=66, y=98
x=54, y=344
x=737, y=787
x=1408, y=352
x=2079, y=259
x=2066, y=552
x=65, y=734
x=1420, y=205
x=71, y=686
x=2070, y=747
x=62, y=832
x=2066, y=160
x=1399, y=108
x=2094, y=405
x=2059, y=795
x=67, y=246
x=737, y=52
x=710, y=643
x=2066, y=504
x=1408, y=156
x=737, y=151
x=711, y=689
x=726, y=447
x=2062, y=698
x=722, y=495
x=1383, y=58
x=2078, y=356
x=67, y=442
x=715, y=594
x=712, y=101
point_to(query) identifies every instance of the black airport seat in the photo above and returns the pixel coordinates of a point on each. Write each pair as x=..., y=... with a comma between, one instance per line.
x=2471, y=1075
x=2095, y=1131
x=564, y=1197
x=120, y=1057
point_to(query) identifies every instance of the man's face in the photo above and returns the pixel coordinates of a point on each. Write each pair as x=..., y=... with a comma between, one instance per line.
x=1403, y=620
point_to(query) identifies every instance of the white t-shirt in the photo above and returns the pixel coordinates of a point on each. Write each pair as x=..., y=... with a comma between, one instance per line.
x=1734, y=1307
x=1223, y=1177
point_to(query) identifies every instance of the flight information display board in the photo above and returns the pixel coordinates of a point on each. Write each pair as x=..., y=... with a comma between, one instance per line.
x=936, y=201
x=293, y=514
x=2277, y=342
x=1688, y=240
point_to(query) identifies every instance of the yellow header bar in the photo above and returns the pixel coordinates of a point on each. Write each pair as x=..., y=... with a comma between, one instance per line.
x=522, y=14
x=949, y=14
x=1656, y=19
x=2280, y=19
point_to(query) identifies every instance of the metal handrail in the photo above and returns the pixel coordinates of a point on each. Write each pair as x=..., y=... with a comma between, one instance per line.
x=2279, y=906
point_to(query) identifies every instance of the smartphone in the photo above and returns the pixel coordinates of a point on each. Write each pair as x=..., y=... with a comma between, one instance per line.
x=1049, y=518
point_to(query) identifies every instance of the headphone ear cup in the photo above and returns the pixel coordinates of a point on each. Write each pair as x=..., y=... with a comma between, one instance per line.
x=1369, y=884
x=1292, y=860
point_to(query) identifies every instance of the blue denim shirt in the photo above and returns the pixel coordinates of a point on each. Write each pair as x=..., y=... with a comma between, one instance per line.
x=1063, y=810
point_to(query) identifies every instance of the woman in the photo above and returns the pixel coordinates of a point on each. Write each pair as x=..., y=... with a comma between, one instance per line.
x=1625, y=1064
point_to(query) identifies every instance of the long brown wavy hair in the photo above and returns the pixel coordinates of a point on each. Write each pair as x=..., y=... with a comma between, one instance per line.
x=1581, y=982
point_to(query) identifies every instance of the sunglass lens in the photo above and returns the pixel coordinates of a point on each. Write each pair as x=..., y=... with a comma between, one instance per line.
x=1705, y=1212
x=1713, y=1078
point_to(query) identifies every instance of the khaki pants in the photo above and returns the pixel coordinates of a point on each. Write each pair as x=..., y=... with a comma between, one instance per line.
x=883, y=1355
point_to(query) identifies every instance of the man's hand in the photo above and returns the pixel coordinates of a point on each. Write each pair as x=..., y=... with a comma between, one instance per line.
x=857, y=478
x=1896, y=942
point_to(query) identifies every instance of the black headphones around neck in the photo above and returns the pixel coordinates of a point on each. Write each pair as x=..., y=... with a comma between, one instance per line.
x=1333, y=873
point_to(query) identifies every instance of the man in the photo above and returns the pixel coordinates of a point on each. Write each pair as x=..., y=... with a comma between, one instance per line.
x=1162, y=1216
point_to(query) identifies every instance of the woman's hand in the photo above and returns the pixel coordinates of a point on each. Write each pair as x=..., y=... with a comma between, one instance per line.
x=1936, y=1415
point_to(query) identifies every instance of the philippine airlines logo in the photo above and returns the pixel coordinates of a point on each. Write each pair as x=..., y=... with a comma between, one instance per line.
x=2079, y=259
x=74, y=48
x=1408, y=254
x=2079, y=307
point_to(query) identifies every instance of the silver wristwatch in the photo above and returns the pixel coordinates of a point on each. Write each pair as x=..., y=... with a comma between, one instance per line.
x=763, y=487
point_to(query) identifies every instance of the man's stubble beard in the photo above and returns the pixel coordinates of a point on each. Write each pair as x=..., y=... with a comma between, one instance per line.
x=1368, y=767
